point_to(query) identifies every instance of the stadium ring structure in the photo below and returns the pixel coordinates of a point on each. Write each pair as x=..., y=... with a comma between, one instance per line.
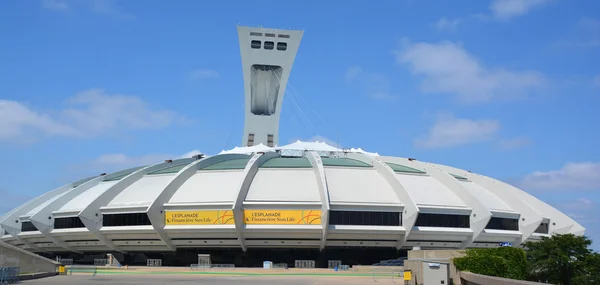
x=261, y=201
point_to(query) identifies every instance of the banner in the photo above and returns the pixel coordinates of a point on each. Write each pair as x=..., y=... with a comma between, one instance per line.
x=282, y=217
x=211, y=217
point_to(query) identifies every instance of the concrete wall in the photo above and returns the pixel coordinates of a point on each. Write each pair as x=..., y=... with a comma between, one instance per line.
x=27, y=261
x=417, y=257
x=468, y=278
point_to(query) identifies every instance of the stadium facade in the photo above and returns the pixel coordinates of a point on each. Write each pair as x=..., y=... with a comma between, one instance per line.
x=262, y=201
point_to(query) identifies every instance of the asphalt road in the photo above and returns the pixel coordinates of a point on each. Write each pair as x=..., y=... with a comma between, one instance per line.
x=204, y=279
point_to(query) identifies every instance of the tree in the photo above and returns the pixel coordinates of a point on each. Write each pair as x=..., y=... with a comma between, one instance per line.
x=506, y=262
x=563, y=259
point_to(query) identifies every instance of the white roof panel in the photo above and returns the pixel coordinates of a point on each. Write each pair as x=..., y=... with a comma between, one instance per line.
x=489, y=200
x=84, y=199
x=427, y=191
x=209, y=187
x=142, y=192
x=46, y=203
x=359, y=186
x=293, y=185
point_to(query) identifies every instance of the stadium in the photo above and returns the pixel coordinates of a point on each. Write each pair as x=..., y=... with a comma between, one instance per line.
x=265, y=201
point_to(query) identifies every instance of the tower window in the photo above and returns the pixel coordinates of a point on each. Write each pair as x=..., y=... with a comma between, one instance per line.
x=255, y=44
x=281, y=46
x=250, y=139
x=270, y=140
x=284, y=36
x=255, y=34
x=269, y=45
x=269, y=35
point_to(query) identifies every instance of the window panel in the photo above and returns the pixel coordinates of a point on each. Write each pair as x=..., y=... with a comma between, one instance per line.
x=364, y=218
x=443, y=221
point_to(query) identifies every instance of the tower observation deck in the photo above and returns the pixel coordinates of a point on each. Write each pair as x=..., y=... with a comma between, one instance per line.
x=267, y=59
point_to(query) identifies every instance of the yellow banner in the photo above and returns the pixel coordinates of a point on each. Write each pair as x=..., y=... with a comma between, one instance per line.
x=214, y=217
x=282, y=217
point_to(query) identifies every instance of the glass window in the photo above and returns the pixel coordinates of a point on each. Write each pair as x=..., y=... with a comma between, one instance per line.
x=443, y=221
x=118, y=220
x=503, y=224
x=269, y=45
x=255, y=44
x=28, y=227
x=68, y=223
x=543, y=228
x=281, y=46
x=364, y=218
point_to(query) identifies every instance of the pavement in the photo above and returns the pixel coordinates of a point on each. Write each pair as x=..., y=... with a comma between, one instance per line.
x=183, y=279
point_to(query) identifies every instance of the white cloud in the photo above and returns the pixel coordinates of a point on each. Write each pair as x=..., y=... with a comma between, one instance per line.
x=56, y=5
x=447, y=67
x=353, y=72
x=574, y=176
x=579, y=204
x=589, y=23
x=190, y=154
x=199, y=74
x=505, y=9
x=596, y=80
x=449, y=131
x=514, y=143
x=122, y=161
x=107, y=7
x=445, y=24
x=375, y=85
x=90, y=113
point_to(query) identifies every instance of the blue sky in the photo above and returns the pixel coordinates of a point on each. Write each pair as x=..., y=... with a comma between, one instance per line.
x=505, y=88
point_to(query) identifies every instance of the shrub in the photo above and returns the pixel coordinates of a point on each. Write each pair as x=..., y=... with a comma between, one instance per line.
x=506, y=262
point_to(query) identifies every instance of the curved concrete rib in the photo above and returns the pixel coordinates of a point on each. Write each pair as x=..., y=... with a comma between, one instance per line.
x=43, y=219
x=529, y=219
x=10, y=221
x=156, y=210
x=411, y=210
x=480, y=215
x=249, y=172
x=91, y=215
x=319, y=170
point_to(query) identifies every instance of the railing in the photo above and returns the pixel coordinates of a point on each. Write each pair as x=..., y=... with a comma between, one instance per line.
x=154, y=262
x=304, y=264
x=9, y=274
x=280, y=265
x=65, y=261
x=100, y=262
x=81, y=269
x=211, y=266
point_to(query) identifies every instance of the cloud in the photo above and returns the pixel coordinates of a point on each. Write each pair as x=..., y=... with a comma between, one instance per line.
x=190, y=153
x=447, y=67
x=596, y=80
x=449, y=131
x=353, y=72
x=91, y=113
x=514, y=143
x=579, y=204
x=199, y=74
x=107, y=7
x=506, y=9
x=376, y=85
x=11, y=199
x=445, y=24
x=586, y=34
x=589, y=23
x=55, y=5
x=574, y=176
x=123, y=161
